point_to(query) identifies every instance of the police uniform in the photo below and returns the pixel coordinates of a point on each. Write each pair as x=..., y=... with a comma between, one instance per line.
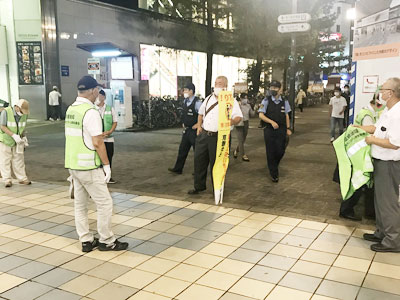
x=206, y=142
x=387, y=179
x=275, y=109
x=190, y=114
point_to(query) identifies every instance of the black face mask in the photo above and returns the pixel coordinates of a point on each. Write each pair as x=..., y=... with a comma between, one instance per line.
x=274, y=93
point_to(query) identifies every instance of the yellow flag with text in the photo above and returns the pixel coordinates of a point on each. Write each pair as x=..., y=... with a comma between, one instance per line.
x=225, y=107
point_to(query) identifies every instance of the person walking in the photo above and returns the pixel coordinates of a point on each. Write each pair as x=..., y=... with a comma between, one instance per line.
x=337, y=107
x=54, y=104
x=109, y=118
x=13, y=141
x=346, y=95
x=301, y=95
x=385, y=149
x=274, y=112
x=191, y=106
x=366, y=117
x=207, y=134
x=243, y=127
x=85, y=153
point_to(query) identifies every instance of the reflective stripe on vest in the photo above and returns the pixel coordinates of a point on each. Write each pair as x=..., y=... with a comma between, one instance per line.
x=13, y=127
x=77, y=155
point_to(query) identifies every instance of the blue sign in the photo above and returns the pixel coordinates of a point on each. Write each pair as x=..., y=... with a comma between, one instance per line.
x=65, y=71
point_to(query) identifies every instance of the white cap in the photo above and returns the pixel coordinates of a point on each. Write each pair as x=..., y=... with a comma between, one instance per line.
x=24, y=106
x=55, y=87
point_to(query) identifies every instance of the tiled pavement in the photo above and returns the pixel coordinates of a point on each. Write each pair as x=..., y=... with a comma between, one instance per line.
x=183, y=250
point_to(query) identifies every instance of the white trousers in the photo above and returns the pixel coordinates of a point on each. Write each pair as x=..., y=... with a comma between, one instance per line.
x=91, y=183
x=9, y=158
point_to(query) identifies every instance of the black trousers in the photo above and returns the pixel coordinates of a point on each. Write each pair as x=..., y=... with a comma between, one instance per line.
x=204, y=156
x=347, y=207
x=301, y=107
x=110, y=151
x=55, y=111
x=188, y=141
x=275, y=140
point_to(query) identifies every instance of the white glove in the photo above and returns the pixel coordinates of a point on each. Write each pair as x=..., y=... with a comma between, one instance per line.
x=107, y=172
x=25, y=141
x=17, y=138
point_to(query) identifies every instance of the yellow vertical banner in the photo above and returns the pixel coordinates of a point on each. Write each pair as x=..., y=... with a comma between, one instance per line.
x=225, y=107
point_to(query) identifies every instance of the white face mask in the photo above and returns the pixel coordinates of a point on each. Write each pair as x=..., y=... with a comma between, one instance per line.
x=346, y=90
x=381, y=101
x=19, y=113
x=337, y=94
x=217, y=91
x=97, y=102
x=186, y=95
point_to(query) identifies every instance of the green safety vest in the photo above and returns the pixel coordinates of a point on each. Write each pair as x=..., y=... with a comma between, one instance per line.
x=355, y=161
x=77, y=155
x=362, y=114
x=107, y=119
x=13, y=126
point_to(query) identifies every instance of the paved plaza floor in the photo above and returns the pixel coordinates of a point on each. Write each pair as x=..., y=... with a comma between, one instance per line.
x=141, y=161
x=183, y=250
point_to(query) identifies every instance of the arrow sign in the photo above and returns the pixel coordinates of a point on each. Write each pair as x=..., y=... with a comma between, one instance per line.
x=294, y=18
x=296, y=27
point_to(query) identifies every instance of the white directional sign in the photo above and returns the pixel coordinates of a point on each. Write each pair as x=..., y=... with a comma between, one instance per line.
x=295, y=27
x=294, y=18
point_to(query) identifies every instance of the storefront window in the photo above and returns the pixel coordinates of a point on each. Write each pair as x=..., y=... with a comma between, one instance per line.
x=168, y=70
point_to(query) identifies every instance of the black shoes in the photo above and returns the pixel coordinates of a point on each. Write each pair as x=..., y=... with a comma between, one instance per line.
x=116, y=246
x=352, y=217
x=195, y=192
x=275, y=179
x=381, y=248
x=89, y=246
x=372, y=238
x=172, y=170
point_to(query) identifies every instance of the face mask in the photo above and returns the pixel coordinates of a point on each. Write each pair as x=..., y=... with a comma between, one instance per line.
x=346, y=90
x=217, y=91
x=186, y=95
x=19, y=113
x=274, y=93
x=337, y=94
x=381, y=101
x=97, y=102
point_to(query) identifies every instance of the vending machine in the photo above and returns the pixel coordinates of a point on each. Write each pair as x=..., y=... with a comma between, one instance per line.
x=121, y=97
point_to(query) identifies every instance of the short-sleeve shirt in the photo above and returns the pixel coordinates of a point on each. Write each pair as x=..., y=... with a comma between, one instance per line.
x=188, y=102
x=210, y=122
x=3, y=117
x=264, y=104
x=54, y=98
x=337, y=106
x=102, y=110
x=387, y=127
x=92, y=122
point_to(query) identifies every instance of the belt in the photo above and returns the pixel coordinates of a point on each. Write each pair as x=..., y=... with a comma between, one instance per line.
x=211, y=133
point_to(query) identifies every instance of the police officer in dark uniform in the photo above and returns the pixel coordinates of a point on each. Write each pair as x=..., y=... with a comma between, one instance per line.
x=274, y=113
x=191, y=108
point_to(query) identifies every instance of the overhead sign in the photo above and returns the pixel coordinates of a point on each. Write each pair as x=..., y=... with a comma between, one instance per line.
x=294, y=18
x=93, y=64
x=295, y=27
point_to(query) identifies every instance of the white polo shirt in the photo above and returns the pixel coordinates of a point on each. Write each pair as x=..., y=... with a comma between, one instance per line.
x=92, y=123
x=388, y=127
x=210, y=122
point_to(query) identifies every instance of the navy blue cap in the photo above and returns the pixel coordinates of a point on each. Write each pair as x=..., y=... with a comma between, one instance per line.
x=86, y=83
x=190, y=86
x=275, y=83
x=102, y=92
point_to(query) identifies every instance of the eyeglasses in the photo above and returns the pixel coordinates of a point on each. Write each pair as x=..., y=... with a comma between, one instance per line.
x=386, y=90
